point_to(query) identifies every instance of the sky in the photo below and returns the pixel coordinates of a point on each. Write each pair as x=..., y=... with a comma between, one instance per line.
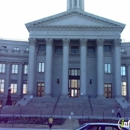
x=14, y=14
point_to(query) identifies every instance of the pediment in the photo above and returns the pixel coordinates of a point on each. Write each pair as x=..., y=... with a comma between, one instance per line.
x=74, y=18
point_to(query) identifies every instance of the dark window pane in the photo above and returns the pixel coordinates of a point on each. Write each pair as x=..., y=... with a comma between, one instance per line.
x=107, y=48
x=58, y=49
x=91, y=50
x=74, y=49
x=42, y=48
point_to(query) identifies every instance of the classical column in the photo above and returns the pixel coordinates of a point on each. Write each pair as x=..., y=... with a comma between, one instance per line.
x=82, y=4
x=7, y=78
x=78, y=3
x=128, y=80
x=73, y=3
x=100, y=70
x=31, y=68
x=83, y=67
x=117, y=67
x=65, y=67
x=20, y=77
x=48, y=66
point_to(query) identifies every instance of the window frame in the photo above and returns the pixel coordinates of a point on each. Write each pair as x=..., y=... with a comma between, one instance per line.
x=107, y=68
x=2, y=67
x=14, y=69
x=14, y=87
x=124, y=88
x=2, y=86
x=41, y=67
x=123, y=70
x=25, y=69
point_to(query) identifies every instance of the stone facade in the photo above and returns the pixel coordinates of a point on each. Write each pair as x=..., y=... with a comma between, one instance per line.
x=73, y=53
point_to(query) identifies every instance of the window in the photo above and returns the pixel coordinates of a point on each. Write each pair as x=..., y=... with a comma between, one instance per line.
x=25, y=85
x=74, y=72
x=4, y=48
x=107, y=48
x=41, y=48
x=14, y=68
x=91, y=50
x=16, y=49
x=27, y=50
x=41, y=67
x=111, y=128
x=74, y=49
x=2, y=82
x=58, y=49
x=123, y=70
x=107, y=68
x=25, y=69
x=123, y=88
x=2, y=68
x=13, y=87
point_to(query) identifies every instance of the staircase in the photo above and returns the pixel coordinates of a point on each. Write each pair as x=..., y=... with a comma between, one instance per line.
x=104, y=106
x=73, y=106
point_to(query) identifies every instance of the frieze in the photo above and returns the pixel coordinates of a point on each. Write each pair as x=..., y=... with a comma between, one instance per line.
x=77, y=33
x=43, y=27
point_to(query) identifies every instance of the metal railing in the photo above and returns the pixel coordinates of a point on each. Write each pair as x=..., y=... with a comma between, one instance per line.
x=56, y=104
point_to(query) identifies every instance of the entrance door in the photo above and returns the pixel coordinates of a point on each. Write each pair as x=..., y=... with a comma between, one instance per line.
x=108, y=90
x=74, y=89
x=40, y=89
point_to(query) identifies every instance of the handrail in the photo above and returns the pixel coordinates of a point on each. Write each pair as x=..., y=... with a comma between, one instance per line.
x=56, y=104
x=90, y=104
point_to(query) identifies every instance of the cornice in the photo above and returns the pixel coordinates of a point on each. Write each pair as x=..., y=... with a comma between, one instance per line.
x=43, y=27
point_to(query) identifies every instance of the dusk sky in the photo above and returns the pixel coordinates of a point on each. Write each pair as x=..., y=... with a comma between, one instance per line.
x=14, y=14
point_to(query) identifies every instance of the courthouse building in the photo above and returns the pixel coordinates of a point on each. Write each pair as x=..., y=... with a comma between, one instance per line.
x=73, y=53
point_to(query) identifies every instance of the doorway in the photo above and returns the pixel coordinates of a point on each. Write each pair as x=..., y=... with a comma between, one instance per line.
x=108, y=90
x=74, y=87
x=40, y=89
x=74, y=82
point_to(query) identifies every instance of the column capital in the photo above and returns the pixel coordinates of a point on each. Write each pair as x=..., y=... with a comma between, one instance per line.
x=32, y=41
x=83, y=41
x=66, y=41
x=49, y=41
x=117, y=42
x=100, y=42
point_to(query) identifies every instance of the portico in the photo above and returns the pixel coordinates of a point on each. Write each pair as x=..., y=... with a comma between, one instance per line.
x=80, y=60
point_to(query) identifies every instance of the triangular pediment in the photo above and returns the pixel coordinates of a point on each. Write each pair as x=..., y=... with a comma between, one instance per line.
x=74, y=18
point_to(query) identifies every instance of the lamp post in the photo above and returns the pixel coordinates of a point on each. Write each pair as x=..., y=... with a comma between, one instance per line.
x=9, y=101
